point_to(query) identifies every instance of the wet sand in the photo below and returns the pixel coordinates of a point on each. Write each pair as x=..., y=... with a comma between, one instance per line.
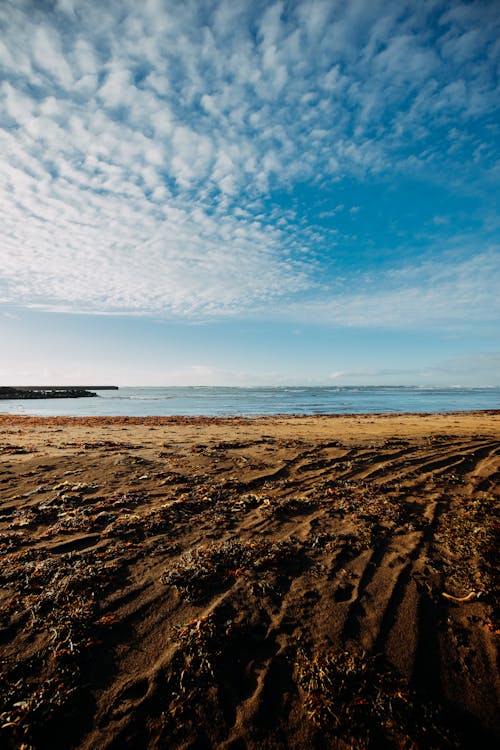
x=277, y=582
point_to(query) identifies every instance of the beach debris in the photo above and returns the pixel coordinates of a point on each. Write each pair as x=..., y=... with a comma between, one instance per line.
x=199, y=665
x=289, y=505
x=465, y=546
x=211, y=567
x=127, y=460
x=359, y=698
x=202, y=641
x=10, y=540
x=37, y=490
x=16, y=449
x=57, y=597
x=468, y=598
x=66, y=513
x=109, y=445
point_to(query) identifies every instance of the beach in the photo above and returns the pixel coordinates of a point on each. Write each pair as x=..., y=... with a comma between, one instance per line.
x=243, y=583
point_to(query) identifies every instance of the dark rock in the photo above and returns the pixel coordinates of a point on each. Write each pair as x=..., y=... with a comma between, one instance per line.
x=17, y=393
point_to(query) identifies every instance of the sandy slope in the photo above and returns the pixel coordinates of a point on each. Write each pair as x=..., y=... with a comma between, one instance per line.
x=262, y=583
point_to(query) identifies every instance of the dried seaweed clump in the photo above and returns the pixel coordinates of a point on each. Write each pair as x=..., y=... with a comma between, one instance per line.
x=56, y=597
x=356, y=697
x=295, y=505
x=199, y=671
x=467, y=540
x=209, y=568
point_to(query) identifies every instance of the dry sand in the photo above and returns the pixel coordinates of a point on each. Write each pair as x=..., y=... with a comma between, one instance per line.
x=285, y=582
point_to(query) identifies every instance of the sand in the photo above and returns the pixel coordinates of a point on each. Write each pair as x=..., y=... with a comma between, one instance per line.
x=285, y=582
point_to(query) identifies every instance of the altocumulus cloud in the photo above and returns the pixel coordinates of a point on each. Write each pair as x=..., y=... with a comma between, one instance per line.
x=143, y=141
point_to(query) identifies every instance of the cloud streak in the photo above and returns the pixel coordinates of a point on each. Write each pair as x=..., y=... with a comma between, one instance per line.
x=430, y=295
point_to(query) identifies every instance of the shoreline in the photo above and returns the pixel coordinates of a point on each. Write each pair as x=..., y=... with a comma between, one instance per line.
x=249, y=417
x=417, y=424
x=168, y=581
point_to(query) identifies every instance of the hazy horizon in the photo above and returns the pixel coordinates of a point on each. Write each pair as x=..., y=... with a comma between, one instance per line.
x=262, y=386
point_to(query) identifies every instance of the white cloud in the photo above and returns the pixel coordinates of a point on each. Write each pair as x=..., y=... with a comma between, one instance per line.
x=116, y=90
x=66, y=247
x=66, y=6
x=18, y=106
x=48, y=55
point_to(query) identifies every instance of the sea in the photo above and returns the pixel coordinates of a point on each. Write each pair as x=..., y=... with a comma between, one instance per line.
x=230, y=401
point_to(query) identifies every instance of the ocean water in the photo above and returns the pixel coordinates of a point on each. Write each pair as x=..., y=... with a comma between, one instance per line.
x=222, y=401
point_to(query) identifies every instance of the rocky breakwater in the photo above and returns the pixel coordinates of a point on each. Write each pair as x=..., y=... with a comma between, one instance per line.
x=18, y=393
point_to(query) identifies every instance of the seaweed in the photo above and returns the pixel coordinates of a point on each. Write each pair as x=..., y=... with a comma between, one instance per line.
x=360, y=699
x=209, y=568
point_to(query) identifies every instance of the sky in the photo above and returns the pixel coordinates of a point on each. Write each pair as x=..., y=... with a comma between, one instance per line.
x=249, y=192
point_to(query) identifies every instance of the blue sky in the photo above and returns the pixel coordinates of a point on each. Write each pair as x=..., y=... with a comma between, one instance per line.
x=242, y=192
